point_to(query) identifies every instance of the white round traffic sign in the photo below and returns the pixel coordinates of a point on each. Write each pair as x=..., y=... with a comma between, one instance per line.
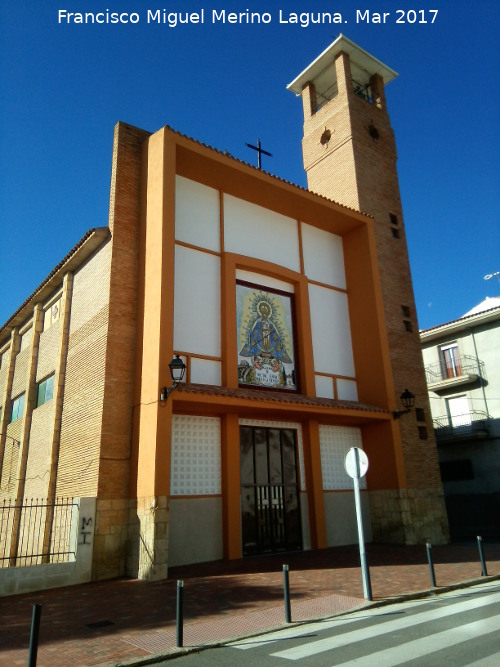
x=356, y=463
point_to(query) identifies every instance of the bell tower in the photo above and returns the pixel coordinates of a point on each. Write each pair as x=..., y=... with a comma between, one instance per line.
x=350, y=156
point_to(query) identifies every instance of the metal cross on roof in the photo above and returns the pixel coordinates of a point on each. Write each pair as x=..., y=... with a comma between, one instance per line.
x=260, y=152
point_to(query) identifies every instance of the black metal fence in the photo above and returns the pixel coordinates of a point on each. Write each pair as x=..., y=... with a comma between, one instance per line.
x=36, y=531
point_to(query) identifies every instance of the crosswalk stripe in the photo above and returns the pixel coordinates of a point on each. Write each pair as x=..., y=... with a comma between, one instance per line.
x=288, y=633
x=312, y=648
x=490, y=661
x=401, y=654
x=316, y=626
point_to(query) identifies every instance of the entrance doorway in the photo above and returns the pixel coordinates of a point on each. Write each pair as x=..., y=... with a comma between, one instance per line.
x=270, y=503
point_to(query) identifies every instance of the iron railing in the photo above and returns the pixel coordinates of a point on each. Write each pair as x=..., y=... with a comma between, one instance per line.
x=326, y=95
x=361, y=89
x=35, y=531
x=469, y=425
x=462, y=366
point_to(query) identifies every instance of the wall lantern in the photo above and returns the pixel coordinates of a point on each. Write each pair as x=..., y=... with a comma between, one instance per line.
x=177, y=370
x=408, y=401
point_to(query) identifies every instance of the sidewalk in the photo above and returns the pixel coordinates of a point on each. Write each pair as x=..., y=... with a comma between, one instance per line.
x=120, y=621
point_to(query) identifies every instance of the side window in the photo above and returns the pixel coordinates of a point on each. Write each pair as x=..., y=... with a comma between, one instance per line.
x=44, y=391
x=17, y=408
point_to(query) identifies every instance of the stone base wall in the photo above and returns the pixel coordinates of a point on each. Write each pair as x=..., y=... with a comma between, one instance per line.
x=409, y=516
x=110, y=539
x=147, y=552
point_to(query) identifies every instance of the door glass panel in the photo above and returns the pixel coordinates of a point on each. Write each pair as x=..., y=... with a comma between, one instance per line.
x=246, y=456
x=275, y=456
x=293, y=527
x=261, y=468
x=289, y=463
x=248, y=520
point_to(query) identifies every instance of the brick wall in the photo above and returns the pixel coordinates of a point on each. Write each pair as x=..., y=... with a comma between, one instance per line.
x=113, y=482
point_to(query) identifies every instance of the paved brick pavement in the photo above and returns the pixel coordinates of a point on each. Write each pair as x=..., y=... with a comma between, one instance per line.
x=126, y=621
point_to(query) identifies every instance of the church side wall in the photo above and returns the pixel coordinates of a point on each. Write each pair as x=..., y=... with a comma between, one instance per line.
x=84, y=382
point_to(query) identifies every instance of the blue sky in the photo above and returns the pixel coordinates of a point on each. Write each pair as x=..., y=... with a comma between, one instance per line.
x=65, y=86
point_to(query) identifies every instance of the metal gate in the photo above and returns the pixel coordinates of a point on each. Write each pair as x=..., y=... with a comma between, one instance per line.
x=269, y=490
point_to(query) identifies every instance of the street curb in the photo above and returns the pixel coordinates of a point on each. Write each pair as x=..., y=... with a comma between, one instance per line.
x=418, y=595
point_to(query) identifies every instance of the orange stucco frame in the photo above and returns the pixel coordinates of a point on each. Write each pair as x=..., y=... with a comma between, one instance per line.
x=168, y=154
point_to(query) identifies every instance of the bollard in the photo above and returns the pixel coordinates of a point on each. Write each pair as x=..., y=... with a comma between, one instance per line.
x=178, y=614
x=286, y=590
x=35, y=627
x=431, y=564
x=484, y=573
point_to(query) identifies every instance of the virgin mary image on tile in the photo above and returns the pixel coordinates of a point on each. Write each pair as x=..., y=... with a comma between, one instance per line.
x=265, y=337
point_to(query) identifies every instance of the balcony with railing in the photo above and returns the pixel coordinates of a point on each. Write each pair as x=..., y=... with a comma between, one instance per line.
x=463, y=369
x=469, y=426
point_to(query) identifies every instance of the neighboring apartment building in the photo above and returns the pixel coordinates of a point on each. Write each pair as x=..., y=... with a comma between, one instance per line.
x=462, y=366
x=294, y=316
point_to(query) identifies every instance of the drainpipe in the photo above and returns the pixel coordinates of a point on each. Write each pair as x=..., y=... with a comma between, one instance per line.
x=479, y=372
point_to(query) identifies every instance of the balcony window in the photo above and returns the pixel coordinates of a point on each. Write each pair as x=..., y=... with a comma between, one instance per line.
x=456, y=471
x=450, y=359
x=458, y=411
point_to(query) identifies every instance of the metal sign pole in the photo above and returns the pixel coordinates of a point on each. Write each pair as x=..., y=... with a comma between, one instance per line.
x=367, y=588
x=353, y=469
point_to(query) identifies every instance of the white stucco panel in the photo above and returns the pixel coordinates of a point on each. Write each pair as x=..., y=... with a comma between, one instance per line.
x=347, y=390
x=324, y=386
x=323, y=256
x=331, y=331
x=205, y=371
x=255, y=231
x=197, y=214
x=197, y=314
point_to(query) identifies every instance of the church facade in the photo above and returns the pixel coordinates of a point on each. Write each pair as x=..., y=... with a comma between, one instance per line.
x=293, y=313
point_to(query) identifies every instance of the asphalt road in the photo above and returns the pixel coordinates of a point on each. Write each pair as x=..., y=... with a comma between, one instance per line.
x=456, y=629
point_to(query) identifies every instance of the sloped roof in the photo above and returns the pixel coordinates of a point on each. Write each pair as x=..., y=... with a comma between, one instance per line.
x=487, y=304
x=487, y=310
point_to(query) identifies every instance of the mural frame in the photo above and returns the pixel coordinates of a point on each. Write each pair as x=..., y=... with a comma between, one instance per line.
x=266, y=338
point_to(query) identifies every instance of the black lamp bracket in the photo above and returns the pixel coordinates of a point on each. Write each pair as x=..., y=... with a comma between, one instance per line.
x=408, y=401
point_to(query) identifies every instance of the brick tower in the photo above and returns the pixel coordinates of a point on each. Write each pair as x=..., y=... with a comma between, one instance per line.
x=350, y=156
